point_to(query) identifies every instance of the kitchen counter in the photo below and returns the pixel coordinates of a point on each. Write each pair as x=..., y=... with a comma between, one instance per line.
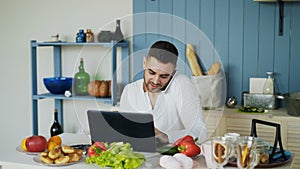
x=14, y=159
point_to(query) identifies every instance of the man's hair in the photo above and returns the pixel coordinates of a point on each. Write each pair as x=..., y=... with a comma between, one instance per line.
x=164, y=52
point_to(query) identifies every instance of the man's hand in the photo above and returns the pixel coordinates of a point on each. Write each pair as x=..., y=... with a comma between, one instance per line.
x=161, y=137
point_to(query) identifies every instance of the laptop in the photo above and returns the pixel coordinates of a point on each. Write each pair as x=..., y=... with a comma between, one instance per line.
x=134, y=128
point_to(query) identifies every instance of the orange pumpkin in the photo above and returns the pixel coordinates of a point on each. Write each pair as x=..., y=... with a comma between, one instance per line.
x=99, y=88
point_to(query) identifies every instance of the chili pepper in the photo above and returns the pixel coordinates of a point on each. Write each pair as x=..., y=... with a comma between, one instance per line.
x=189, y=148
x=185, y=138
x=96, y=149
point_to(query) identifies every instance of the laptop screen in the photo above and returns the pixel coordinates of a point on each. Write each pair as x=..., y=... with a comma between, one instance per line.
x=134, y=128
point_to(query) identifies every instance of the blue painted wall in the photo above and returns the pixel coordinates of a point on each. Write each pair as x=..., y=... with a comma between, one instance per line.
x=243, y=32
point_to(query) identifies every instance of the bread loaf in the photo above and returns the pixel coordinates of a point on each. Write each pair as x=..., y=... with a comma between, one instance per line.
x=193, y=61
x=214, y=69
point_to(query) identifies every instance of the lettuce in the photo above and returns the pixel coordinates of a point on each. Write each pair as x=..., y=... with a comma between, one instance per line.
x=118, y=156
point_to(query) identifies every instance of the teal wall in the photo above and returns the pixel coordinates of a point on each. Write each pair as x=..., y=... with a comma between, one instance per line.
x=244, y=33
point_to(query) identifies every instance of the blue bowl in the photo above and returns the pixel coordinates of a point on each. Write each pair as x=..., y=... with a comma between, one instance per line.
x=58, y=85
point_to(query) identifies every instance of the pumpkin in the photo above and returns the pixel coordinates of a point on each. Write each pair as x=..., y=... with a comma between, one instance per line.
x=109, y=88
x=99, y=88
x=93, y=88
x=103, y=89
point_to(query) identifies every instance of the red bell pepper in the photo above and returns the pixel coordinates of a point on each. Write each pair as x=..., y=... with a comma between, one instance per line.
x=185, y=138
x=189, y=148
x=96, y=149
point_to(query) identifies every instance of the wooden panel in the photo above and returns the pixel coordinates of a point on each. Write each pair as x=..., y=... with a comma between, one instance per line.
x=179, y=30
x=165, y=23
x=282, y=51
x=266, y=38
x=221, y=35
x=250, y=43
x=294, y=78
x=139, y=38
x=152, y=18
x=245, y=34
x=293, y=137
x=192, y=25
x=235, y=72
x=207, y=26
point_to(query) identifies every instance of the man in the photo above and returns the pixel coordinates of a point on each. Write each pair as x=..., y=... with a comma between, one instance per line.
x=168, y=95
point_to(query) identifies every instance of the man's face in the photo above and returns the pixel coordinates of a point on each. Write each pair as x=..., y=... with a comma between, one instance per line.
x=157, y=74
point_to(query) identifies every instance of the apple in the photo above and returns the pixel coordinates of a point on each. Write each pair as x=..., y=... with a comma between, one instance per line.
x=36, y=143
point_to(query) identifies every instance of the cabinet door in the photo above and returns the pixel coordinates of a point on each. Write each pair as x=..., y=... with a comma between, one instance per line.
x=214, y=123
x=293, y=140
x=243, y=126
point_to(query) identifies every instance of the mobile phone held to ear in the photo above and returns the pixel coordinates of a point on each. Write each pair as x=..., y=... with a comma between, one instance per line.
x=169, y=83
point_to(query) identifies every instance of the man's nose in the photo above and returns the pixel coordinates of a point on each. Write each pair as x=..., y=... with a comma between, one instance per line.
x=156, y=79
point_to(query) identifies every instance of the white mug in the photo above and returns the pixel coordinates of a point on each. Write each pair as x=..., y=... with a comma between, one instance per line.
x=206, y=151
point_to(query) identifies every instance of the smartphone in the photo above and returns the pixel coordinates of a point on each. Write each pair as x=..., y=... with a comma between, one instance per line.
x=169, y=82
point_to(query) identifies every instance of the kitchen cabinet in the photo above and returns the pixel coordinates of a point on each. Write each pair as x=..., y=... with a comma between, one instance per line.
x=220, y=122
x=57, y=57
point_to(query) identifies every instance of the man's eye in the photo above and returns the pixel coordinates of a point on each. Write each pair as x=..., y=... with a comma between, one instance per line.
x=151, y=72
x=164, y=76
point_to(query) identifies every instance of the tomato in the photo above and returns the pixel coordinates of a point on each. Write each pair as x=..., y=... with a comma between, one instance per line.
x=96, y=149
x=185, y=138
x=100, y=145
x=189, y=148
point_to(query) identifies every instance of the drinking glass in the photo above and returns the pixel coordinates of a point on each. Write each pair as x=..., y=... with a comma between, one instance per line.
x=221, y=148
x=247, y=156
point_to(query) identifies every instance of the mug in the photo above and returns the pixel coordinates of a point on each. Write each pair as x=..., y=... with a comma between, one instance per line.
x=206, y=151
x=247, y=156
x=233, y=137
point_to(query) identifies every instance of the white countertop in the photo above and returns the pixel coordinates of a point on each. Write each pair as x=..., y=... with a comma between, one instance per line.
x=13, y=159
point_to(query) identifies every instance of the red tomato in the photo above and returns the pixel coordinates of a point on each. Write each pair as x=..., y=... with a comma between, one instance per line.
x=189, y=148
x=100, y=145
x=96, y=149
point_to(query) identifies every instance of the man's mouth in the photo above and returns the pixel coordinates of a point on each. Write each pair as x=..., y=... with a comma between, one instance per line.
x=155, y=86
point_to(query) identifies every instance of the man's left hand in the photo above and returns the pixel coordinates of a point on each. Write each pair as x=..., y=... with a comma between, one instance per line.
x=162, y=137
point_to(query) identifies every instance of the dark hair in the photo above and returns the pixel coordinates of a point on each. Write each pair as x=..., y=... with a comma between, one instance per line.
x=164, y=52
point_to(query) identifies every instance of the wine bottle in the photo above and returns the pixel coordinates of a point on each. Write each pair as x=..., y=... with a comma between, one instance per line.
x=81, y=80
x=56, y=128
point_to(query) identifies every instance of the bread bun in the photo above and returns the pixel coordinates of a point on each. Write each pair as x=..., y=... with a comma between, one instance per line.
x=62, y=160
x=46, y=159
x=68, y=149
x=61, y=155
x=55, y=153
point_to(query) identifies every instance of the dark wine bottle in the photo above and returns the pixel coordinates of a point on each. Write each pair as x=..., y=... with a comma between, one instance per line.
x=56, y=128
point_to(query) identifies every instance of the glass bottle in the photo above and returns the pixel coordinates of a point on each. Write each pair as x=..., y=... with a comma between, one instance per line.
x=56, y=128
x=89, y=36
x=80, y=36
x=269, y=84
x=118, y=35
x=81, y=80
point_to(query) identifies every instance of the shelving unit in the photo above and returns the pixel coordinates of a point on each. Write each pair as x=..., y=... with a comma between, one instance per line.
x=58, y=99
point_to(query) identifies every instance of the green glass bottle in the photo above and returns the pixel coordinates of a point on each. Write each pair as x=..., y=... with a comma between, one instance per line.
x=81, y=80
